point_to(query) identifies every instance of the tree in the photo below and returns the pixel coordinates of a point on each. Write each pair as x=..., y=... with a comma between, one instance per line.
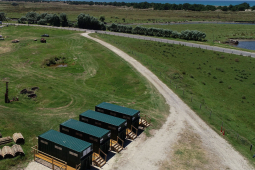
x=49, y=18
x=123, y=19
x=56, y=20
x=42, y=22
x=90, y=22
x=22, y=20
x=32, y=17
x=64, y=20
x=102, y=18
x=2, y=16
x=225, y=8
x=14, y=4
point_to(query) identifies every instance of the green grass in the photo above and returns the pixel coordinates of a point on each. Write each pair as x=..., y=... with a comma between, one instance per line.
x=215, y=81
x=94, y=75
x=115, y=14
x=216, y=34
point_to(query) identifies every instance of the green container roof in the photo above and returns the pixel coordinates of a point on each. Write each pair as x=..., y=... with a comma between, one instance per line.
x=85, y=128
x=65, y=140
x=104, y=118
x=119, y=109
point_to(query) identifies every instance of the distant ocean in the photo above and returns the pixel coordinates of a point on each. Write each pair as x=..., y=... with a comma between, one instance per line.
x=215, y=3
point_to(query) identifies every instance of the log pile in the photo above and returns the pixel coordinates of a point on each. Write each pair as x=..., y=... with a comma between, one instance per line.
x=17, y=150
x=7, y=152
x=18, y=138
x=1, y=157
x=5, y=140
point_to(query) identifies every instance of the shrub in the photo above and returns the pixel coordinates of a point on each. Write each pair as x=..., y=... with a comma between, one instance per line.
x=42, y=22
x=89, y=22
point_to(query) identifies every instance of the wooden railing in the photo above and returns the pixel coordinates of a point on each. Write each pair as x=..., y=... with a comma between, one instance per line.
x=78, y=167
x=105, y=156
x=121, y=140
x=134, y=128
x=47, y=156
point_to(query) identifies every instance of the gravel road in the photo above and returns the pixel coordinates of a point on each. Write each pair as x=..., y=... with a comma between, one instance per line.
x=147, y=154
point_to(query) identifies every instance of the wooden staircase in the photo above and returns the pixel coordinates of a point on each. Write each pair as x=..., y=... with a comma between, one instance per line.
x=130, y=134
x=144, y=121
x=98, y=160
x=116, y=146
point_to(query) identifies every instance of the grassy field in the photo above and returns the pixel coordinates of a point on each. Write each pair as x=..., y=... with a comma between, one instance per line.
x=93, y=75
x=216, y=34
x=115, y=14
x=219, y=87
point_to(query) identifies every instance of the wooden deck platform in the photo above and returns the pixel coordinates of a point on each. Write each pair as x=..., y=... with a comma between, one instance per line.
x=50, y=161
x=57, y=164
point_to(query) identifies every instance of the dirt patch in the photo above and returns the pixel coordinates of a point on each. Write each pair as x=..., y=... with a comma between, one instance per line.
x=5, y=50
x=190, y=153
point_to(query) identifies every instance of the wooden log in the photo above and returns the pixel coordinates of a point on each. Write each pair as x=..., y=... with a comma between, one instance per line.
x=1, y=156
x=7, y=152
x=5, y=140
x=18, y=138
x=17, y=150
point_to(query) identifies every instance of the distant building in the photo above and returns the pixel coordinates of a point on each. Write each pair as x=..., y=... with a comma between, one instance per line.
x=248, y=10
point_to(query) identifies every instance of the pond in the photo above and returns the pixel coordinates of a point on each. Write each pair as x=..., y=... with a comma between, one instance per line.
x=250, y=45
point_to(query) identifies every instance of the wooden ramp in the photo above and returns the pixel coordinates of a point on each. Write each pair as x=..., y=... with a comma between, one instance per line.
x=98, y=160
x=115, y=145
x=130, y=134
x=50, y=161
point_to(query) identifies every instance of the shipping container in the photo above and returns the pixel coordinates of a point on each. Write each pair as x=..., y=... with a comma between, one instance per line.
x=132, y=116
x=98, y=136
x=66, y=148
x=117, y=126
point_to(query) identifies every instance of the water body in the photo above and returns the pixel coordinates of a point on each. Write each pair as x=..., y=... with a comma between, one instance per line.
x=250, y=45
x=215, y=3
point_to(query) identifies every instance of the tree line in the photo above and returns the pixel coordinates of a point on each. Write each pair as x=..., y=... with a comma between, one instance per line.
x=89, y=22
x=187, y=34
x=83, y=20
x=167, y=6
x=156, y=6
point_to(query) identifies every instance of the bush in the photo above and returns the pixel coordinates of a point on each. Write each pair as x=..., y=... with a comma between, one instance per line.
x=54, y=60
x=22, y=20
x=89, y=22
x=64, y=20
x=42, y=22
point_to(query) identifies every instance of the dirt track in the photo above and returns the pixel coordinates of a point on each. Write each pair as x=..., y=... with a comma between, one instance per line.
x=149, y=154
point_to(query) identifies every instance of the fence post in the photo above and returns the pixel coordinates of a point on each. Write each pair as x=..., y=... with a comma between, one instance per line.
x=191, y=98
x=52, y=164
